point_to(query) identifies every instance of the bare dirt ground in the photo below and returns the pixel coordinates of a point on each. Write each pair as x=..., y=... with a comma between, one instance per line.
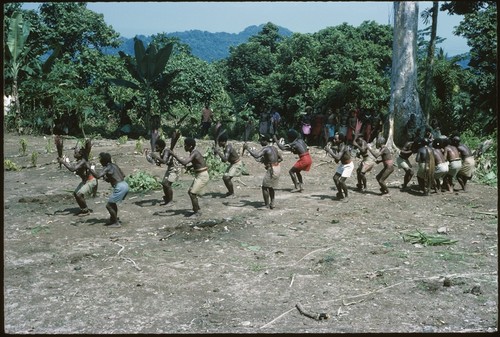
x=238, y=269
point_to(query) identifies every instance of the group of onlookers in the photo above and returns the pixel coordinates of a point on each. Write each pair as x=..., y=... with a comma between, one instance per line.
x=318, y=129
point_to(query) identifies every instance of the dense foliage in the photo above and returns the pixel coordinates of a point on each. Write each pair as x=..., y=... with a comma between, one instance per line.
x=63, y=84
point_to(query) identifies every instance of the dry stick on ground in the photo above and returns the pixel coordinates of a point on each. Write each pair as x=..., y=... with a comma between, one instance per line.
x=410, y=280
x=314, y=251
x=130, y=260
x=239, y=181
x=123, y=247
x=487, y=213
x=274, y=320
x=319, y=317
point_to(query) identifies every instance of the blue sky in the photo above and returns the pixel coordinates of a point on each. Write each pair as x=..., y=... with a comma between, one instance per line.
x=146, y=18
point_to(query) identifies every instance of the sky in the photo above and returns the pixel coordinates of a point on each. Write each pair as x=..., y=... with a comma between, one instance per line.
x=147, y=18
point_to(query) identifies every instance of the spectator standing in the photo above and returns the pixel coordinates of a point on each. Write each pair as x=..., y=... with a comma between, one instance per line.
x=206, y=120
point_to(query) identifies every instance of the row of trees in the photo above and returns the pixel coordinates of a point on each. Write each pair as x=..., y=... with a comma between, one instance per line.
x=58, y=74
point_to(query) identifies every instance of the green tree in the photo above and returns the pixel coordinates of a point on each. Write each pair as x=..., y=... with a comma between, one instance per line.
x=147, y=70
x=404, y=95
x=17, y=55
x=479, y=27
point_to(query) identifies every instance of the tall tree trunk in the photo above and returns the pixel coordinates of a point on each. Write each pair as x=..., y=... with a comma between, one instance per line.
x=430, y=62
x=404, y=99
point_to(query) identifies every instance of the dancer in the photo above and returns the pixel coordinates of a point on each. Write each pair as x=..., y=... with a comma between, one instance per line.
x=297, y=146
x=231, y=156
x=200, y=168
x=385, y=155
x=403, y=161
x=171, y=174
x=344, y=170
x=88, y=185
x=366, y=165
x=271, y=158
x=426, y=165
x=468, y=162
x=115, y=176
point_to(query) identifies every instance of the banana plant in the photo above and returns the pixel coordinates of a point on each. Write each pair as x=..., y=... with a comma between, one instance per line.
x=147, y=68
x=17, y=55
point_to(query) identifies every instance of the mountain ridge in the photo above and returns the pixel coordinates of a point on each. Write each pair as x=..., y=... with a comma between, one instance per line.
x=205, y=45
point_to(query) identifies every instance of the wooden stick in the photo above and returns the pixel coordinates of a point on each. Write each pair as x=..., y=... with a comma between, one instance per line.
x=487, y=213
x=274, y=320
x=123, y=247
x=318, y=317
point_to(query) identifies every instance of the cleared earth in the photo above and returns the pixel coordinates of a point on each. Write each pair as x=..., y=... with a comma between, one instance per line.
x=238, y=269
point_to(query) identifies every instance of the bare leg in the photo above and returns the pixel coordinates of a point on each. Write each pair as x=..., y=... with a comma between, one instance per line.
x=271, y=196
x=113, y=214
x=168, y=192
x=407, y=178
x=194, y=202
x=265, y=194
x=343, y=186
x=80, y=200
x=336, y=180
x=229, y=185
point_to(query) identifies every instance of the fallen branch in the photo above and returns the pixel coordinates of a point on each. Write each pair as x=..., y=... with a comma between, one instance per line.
x=319, y=317
x=293, y=278
x=241, y=182
x=130, y=260
x=123, y=247
x=166, y=237
x=487, y=213
x=350, y=303
x=314, y=251
x=274, y=320
x=103, y=269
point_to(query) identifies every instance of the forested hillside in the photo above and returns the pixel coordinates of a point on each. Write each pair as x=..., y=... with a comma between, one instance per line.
x=205, y=45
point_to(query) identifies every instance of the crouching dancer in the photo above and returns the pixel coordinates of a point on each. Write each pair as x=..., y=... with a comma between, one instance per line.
x=115, y=176
x=271, y=158
x=230, y=155
x=200, y=168
x=88, y=185
x=297, y=146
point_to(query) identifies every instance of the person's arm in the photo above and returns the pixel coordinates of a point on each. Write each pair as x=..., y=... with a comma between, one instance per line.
x=374, y=153
x=183, y=161
x=161, y=159
x=70, y=167
x=280, y=158
x=285, y=147
x=95, y=174
x=256, y=155
x=224, y=156
x=335, y=156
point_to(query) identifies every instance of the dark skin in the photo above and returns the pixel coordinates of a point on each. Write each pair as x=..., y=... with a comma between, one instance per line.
x=268, y=156
x=451, y=153
x=343, y=154
x=228, y=155
x=80, y=168
x=405, y=153
x=362, y=146
x=465, y=152
x=112, y=174
x=439, y=159
x=386, y=158
x=164, y=158
x=424, y=155
x=197, y=163
x=296, y=146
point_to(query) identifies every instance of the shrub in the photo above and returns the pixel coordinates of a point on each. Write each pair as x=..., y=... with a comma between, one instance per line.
x=10, y=165
x=142, y=182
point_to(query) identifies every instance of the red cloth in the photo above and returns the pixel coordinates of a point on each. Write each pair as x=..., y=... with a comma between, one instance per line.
x=304, y=163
